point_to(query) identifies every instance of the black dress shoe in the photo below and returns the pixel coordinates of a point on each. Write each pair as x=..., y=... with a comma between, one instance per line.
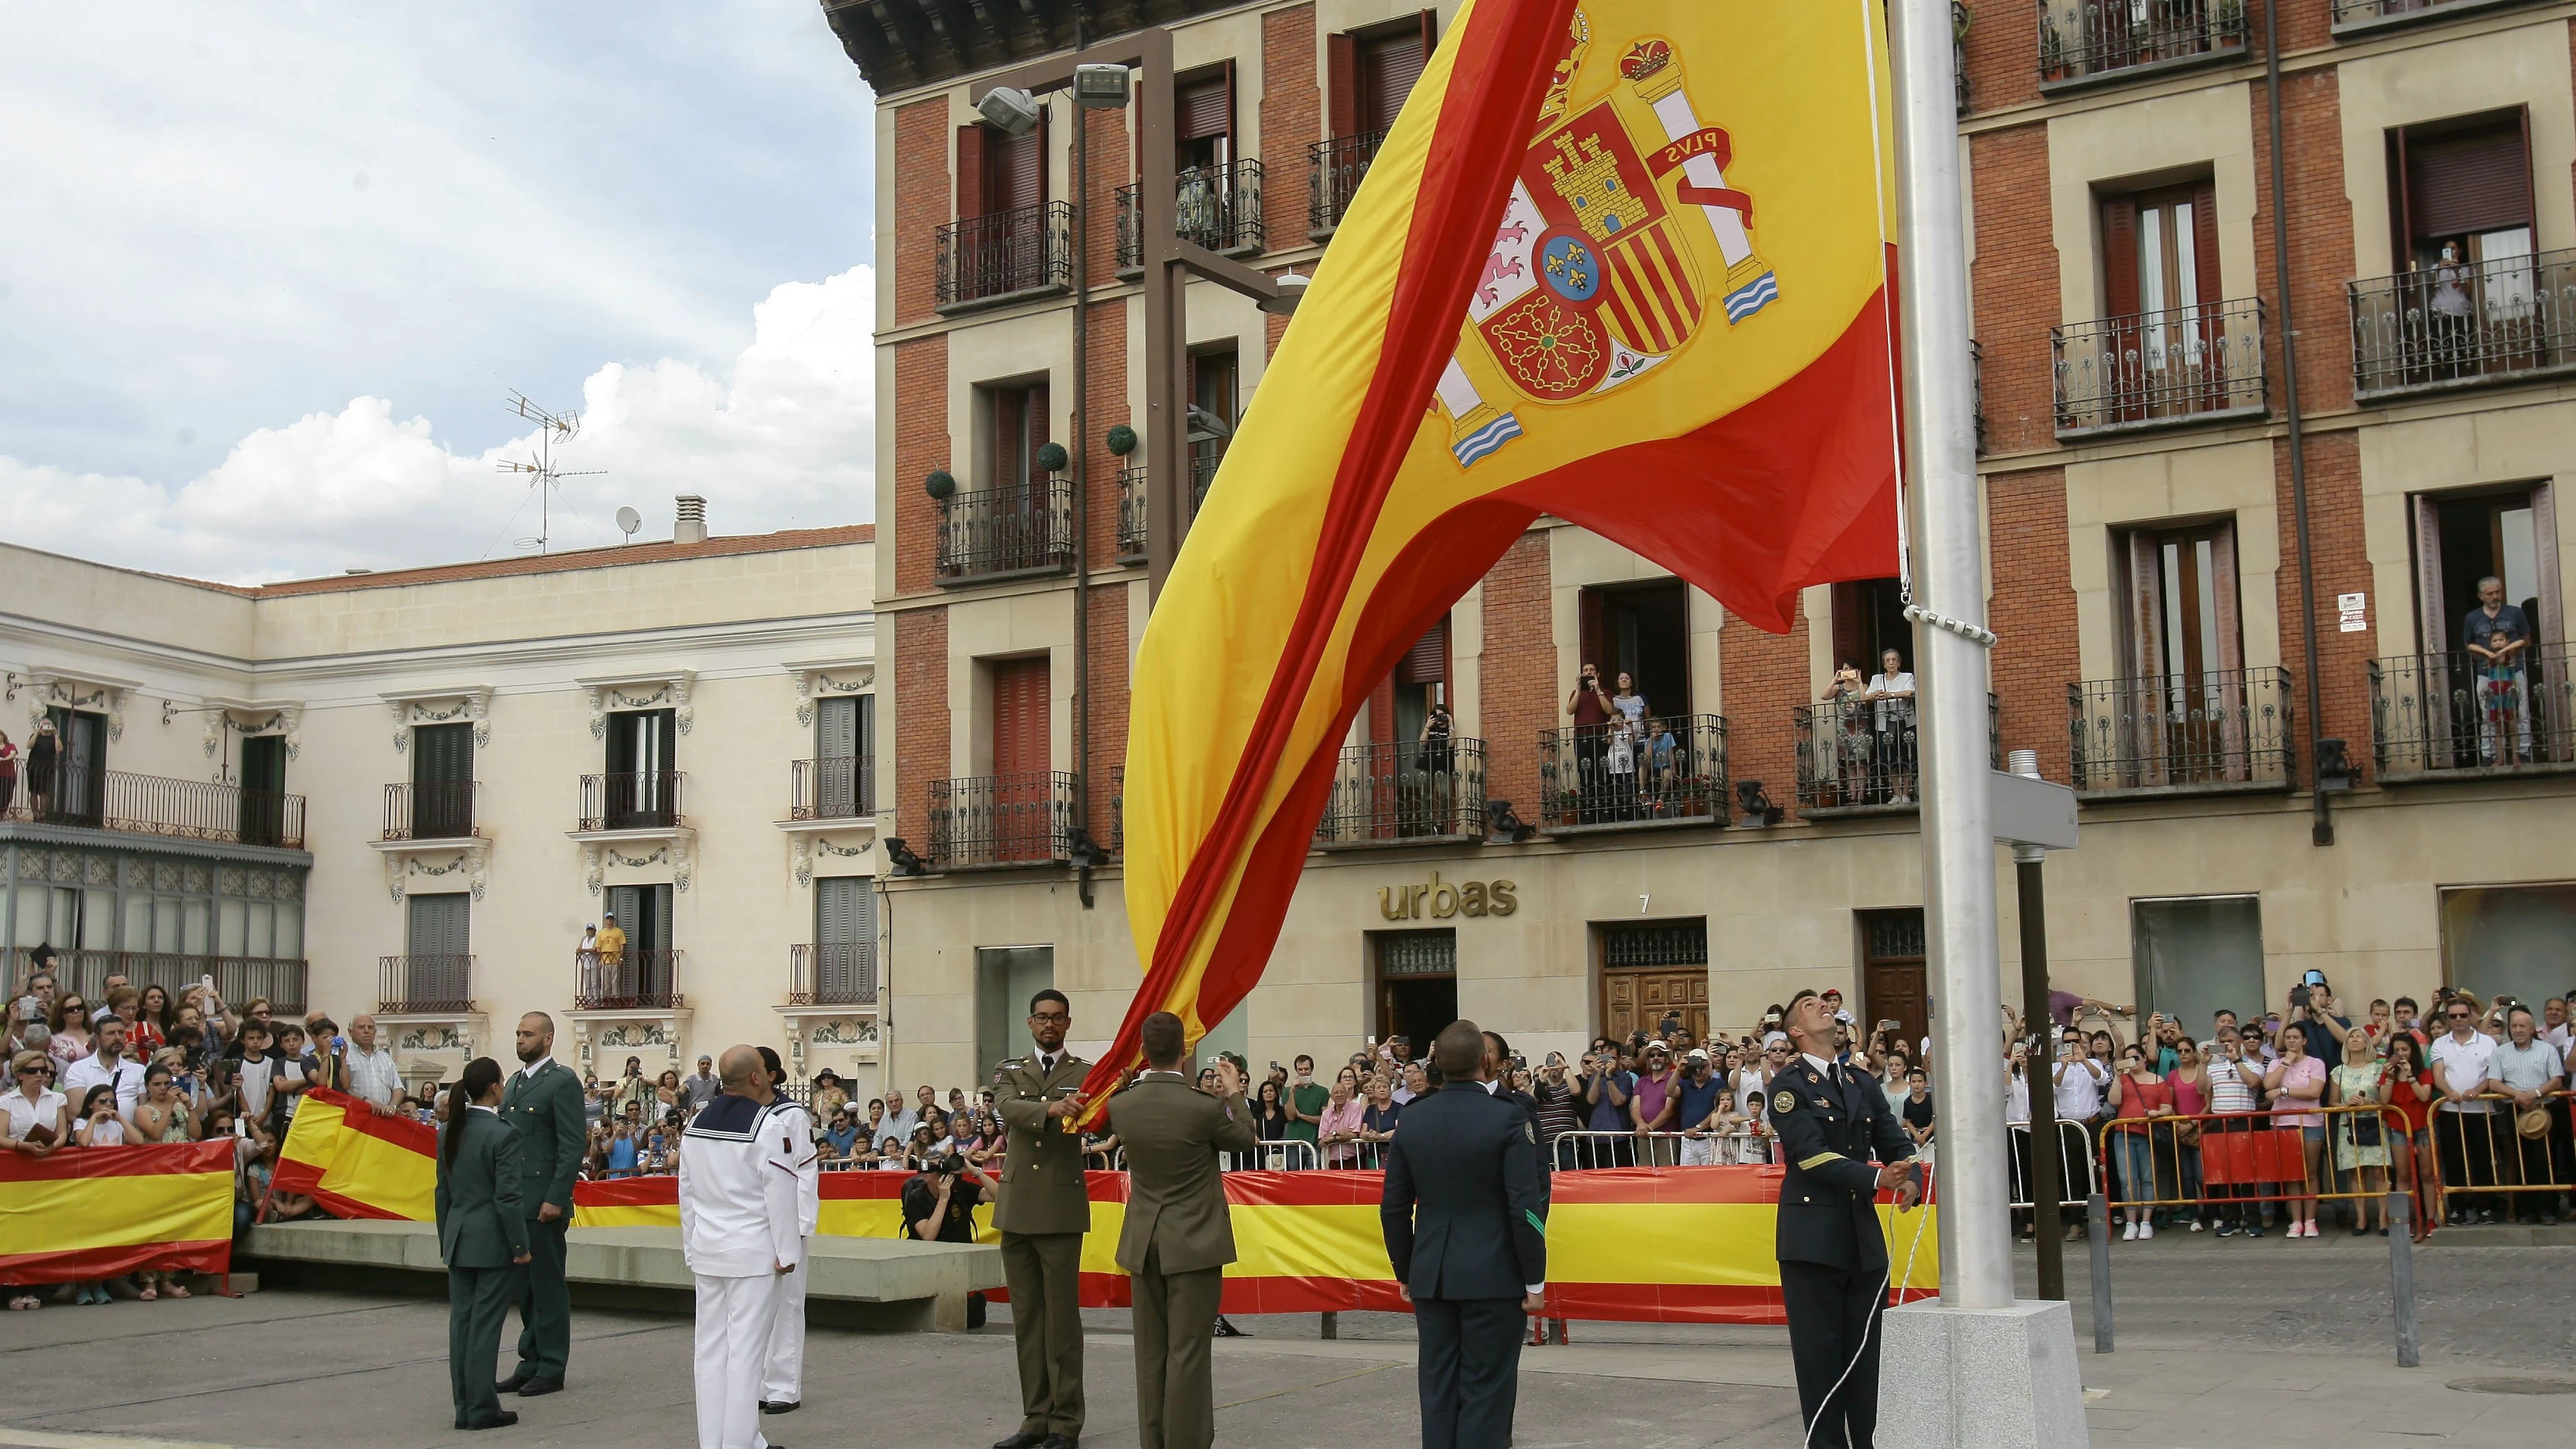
x=1058, y=1441
x=533, y=1387
x=502, y=1420
x=510, y=1385
x=779, y=1406
x=1021, y=1441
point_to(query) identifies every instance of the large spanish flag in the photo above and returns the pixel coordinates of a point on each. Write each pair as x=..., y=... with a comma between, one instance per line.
x=1623, y=263
x=102, y=1212
x=356, y=1164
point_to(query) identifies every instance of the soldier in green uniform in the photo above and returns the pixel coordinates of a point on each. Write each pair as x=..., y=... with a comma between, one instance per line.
x=1043, y=1212
x=1833, y=1253
x=543, y=1101
x=482, y=1238
x=1178, y=1236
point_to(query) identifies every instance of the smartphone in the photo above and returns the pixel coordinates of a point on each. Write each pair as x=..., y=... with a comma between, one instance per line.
x=1886, y=1024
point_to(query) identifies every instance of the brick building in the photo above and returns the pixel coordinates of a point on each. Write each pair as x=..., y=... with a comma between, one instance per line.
x=2214, y=592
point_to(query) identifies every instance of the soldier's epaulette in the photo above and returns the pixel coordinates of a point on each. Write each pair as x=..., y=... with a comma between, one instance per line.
x=1014, y=1064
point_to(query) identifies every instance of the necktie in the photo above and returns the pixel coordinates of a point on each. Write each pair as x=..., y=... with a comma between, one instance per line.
x=1046, y=1064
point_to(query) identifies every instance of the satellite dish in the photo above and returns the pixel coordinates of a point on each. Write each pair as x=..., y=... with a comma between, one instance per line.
x=628, y=520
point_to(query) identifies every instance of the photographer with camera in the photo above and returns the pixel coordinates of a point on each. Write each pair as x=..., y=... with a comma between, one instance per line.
x=939, y=1205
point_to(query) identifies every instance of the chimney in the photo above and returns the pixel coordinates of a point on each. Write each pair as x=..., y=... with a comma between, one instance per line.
x=691, y=524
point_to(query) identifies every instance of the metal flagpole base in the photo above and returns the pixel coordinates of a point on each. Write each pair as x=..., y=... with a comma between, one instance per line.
x=1980, y=1378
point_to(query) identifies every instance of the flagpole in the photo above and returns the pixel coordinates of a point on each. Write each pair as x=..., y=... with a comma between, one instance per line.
x=1951, y=668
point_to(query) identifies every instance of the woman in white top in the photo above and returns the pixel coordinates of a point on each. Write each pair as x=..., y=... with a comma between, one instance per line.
x=2079, y=1080
x=31, y=1104
x=2017, y=1114
x=1891, y=692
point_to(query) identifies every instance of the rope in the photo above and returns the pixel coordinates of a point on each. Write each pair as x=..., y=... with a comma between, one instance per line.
x=1884, y=1280
x=1886, y=306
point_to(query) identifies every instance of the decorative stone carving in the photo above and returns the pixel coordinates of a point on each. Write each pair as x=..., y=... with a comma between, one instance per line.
x=473, y=861
x=640, y=691
x=828, y=677
x=49, y=689
x=469, y=702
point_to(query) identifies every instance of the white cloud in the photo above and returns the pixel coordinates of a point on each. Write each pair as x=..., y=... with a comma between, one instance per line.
x=786, y=439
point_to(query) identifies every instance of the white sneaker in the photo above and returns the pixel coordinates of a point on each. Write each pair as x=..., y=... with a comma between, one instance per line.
x=2146, y=1230
x=2129, y=1233
x=2195, y=1225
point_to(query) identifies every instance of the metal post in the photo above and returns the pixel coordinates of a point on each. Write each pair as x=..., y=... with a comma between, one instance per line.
x=2400, y=1211
x=2046, y=1159
x=1332, y=1328
x=2097, y=1217
x=1951, y=668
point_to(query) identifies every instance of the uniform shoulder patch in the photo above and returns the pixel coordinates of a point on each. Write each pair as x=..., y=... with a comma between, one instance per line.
x=1529, y=1130
x=1785, y=1101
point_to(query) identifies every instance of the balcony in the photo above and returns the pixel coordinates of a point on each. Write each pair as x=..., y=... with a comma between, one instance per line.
x=2217, y=732
x=988, y=821
x=2160, y=369
x=2444, y=717
x=424, y=985
x=843, y=787
x=2096, y=42
x=95, y=799
x=1202, y=474
x=1217, y=207
x=239, y=978
x=1678, y=777
x=1977, y=389
x=1007, y=255
x=431, y=810
x=1859, y=757
x=2512, y=319
x=636, y=981
x=2353, y=17
x=832, y=973
x=1334, y=170
x=997, y=533
x=1405, y=794
x=633, y=800
x=1131, y=514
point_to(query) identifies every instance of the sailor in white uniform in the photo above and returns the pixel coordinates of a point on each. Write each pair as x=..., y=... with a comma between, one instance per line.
x=738, y=1227
x=782, y=1385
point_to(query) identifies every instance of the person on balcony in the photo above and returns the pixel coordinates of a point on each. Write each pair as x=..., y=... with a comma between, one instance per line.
x=1891, y=693
x=46, y=751
x=2497, y=636
x=1590, y=706
x=1848, y=742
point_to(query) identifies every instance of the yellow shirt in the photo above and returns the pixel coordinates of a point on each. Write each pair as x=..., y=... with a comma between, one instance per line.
x=612, y=944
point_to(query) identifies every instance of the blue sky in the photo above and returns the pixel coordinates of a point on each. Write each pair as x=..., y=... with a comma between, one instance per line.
x=270, y=269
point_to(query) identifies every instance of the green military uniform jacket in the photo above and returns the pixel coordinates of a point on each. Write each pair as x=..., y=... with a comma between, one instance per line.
x=1175, y=1195
x=546, y=1111
x=480, y=1222
x=1042, y=1186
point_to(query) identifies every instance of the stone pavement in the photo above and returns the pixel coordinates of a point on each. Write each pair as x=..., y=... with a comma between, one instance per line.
x=2273, y=1342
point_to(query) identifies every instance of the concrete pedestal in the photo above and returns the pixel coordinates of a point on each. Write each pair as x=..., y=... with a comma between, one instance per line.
x=1999, y=1378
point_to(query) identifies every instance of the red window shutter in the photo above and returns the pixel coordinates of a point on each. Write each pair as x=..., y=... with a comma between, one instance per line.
x=2146, y=605
x=1008, y=461
x=1020, y=716
x=1038, y=411
x=1427, y=662
x=1204, y=108
x=2222, y=554
x=1389, y=65
x=2204, y=241
x=1341, y=84
x=2120, y=256
x=1018, y=167
x=970, y=172
x=1430, y=33
x=2470, y=183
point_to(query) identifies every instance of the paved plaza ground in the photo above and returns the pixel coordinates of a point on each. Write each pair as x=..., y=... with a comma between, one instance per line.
x=2275, y=1342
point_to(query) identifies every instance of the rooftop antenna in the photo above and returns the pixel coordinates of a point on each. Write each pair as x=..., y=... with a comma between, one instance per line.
x=553, y=431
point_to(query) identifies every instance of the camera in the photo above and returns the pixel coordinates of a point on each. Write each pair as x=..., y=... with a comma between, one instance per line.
x=952, y=1165
x=2299, y=996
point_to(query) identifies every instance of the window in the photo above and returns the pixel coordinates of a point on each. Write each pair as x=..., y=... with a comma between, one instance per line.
x=844, y=749
x=1214, y=380
x=1416, y=979
x=642, y=788
x=80, y=776
x=2193, y=956
x=1892, y=977
x=1019, y=419
x=2182, y=614
x=1022, y=826
x=1642, y=631
x=2160, y=257
x=1869, y=620
x=442, y=781
x=263, y=789
x=998, y=173
x=1370, y=73
x=1203, y=118
x=2461, y=539
x=1651, y=970
x=2461, y=196
x=2517, y=941
x=1005, y=978
x=644, y=913
x=845, y=939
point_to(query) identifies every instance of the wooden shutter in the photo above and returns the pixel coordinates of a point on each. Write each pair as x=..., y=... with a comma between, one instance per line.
x=1389, y=65
x=2119, y=256
x=2146, y=610
x=1204, y=106
x=1020, y=717
x=2431, y=617
x=839, y=903
x=1034, y=402
x=836, y=728
x=442, y=754
x=970, y=171
x=2469, y=183
x=439, y=925
x=1341, y=84
x=2204, y=241
x=1016, y=170
x=2222, y=563
x=1427, y=662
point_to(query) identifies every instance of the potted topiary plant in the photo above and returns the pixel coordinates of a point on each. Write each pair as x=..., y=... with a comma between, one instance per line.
x=941, y=484
x=1052, y=458
x=1122, y=440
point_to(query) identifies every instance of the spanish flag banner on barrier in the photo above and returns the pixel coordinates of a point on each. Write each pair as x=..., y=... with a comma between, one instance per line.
x=102, y=1212
x=357, y=1164
x=1646, y=1245
x=1622, y=262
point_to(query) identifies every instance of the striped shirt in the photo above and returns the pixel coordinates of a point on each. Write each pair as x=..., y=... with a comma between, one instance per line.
x=2228, y=1089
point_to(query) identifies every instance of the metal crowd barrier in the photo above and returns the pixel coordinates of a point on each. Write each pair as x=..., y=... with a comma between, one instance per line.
x=1586, y=1150
x=2147, y=1163
x=2483, y=1159
x=2075, y=1159
x=1283, y=1156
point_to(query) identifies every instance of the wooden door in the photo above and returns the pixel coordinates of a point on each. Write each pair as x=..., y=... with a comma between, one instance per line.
x=1892, y=983
x=1021, y=827
x=1634, y=1001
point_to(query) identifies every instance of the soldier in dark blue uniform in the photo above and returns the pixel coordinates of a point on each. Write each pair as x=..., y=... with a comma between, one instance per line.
x=1833, y=1254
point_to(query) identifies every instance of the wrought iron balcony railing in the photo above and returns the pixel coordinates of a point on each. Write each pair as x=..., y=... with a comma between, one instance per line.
x=1006, y=253
x=99, y=799
x=996, y=820
x=832, y=973
x=1411, y=791
x=2375, y=14
x=634, y=981
x=2086, y=40
x=1025, y=528
x=1860, y=755
x=430, y=810
x=2443, y=327
x=1131, y=513
x=2454, y=716
x=411, y=985
x=2157, y=368
x=1334, y=170
x=1595, y=776
x=632, y=800
x=278, y=980
x=842, y=787
x=1203, y=465
x=1977, y=389
x=1218, y=207
x=2182, y=733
